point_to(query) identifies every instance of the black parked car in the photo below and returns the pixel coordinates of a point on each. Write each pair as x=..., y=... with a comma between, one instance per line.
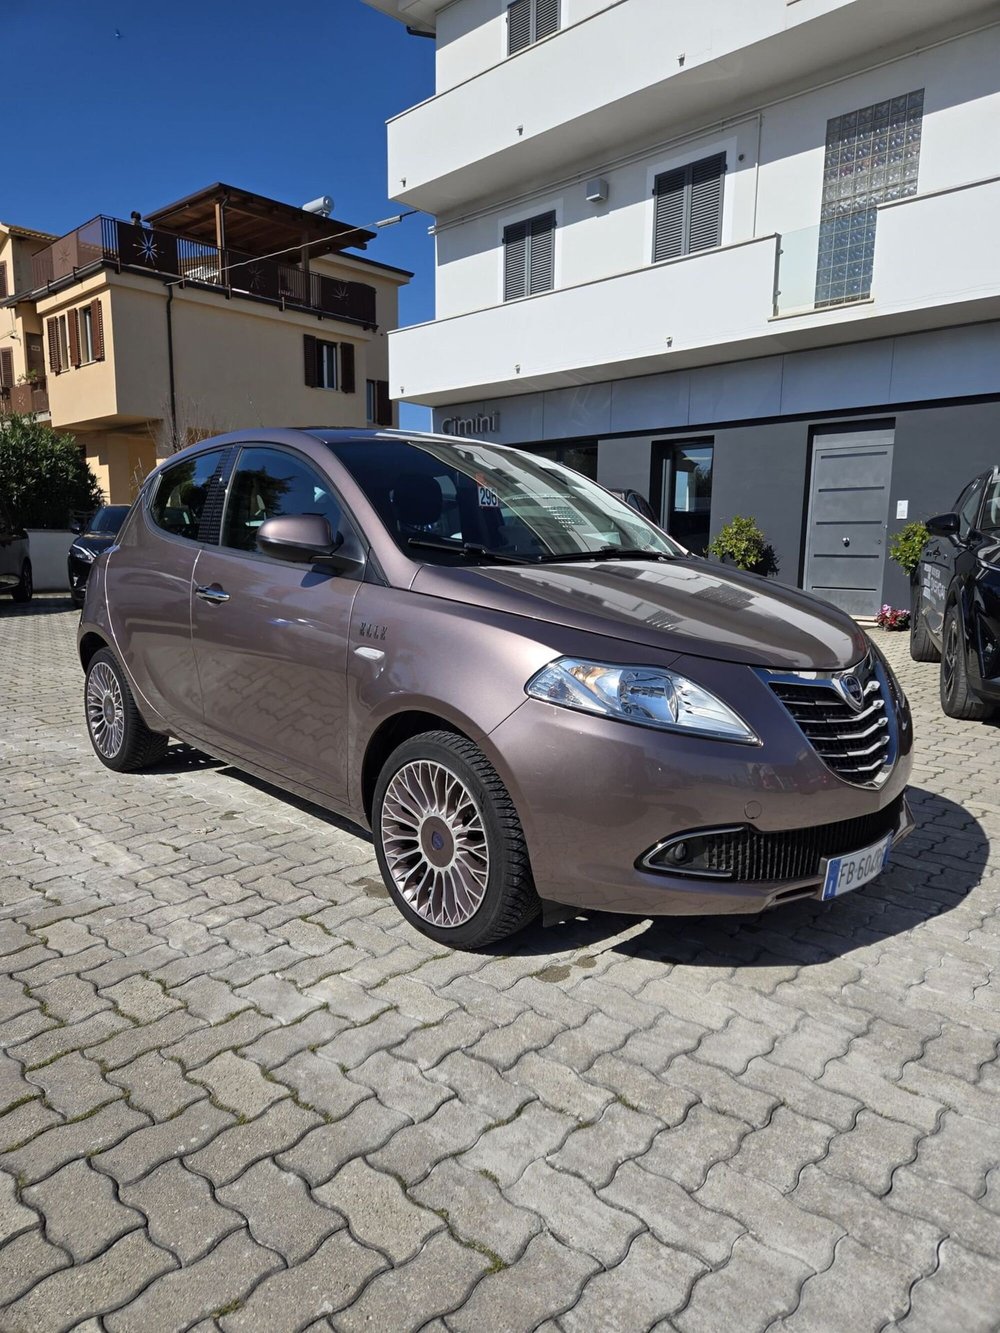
x=95, y=537
x=956, y=600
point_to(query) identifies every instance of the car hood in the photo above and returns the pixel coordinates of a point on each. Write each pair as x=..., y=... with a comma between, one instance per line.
x=95, y=541
x=682, y=606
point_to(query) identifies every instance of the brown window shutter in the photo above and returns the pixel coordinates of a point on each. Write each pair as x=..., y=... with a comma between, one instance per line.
x=3, y=281
x=347, y=367
x=97, y=329
x=311, y=352
x=6, y=368
x=52, y=332
x=74, y=338
x=383, y=403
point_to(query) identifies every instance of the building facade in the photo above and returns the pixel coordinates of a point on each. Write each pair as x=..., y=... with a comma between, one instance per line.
x=738, y=256
x=139, y=337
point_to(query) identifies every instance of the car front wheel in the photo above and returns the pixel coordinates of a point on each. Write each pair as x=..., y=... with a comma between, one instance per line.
x=957, y=698
x=24, y=590
x=120, y=738
x=449, y=843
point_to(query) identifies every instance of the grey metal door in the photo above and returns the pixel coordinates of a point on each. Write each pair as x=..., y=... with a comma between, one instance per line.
x=848, y=518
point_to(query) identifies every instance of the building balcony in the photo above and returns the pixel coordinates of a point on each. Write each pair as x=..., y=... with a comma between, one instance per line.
x=25, y=399
x=571, y=100
x=934, y=263
x=109, y=242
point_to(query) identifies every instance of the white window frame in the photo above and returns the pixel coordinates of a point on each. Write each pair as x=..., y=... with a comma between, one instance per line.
x=62, y=337
x=85, y=333
x=327, y=364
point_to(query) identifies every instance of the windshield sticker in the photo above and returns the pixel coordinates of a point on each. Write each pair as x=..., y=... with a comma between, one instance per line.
x=488, y=499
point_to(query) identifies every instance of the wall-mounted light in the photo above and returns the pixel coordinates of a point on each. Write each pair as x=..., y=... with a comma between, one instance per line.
x=597, y=190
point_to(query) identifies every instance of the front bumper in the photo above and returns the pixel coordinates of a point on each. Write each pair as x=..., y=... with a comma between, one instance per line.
x=595, y=795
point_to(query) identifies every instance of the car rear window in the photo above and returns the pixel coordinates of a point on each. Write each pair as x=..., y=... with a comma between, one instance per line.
x=181, y=493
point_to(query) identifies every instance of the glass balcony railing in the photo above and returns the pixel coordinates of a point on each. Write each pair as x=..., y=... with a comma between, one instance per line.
x=827, y=265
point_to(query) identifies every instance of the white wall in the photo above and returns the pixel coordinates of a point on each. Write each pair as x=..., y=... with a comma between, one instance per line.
x=961, y=143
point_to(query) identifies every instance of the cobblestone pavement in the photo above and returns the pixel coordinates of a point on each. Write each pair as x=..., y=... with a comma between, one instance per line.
x=237, y=1092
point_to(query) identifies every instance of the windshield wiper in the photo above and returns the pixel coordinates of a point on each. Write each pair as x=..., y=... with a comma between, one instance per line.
x=607, y=553
x=473, y=549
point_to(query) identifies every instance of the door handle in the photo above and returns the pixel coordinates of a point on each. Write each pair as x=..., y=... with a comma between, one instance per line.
x=212, y=593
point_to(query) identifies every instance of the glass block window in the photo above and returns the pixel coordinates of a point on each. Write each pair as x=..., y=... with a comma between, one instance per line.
x=872, y=156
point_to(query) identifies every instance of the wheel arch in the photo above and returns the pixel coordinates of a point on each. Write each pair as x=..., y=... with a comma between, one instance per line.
x=389, y=734
x=90, y=644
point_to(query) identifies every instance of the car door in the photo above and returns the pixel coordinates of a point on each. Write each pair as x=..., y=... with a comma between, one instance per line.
x=148, y=586
x=940, y=559
x=270, y=636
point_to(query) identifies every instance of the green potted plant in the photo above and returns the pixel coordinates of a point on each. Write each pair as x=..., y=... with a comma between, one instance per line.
x=906, y=544
x=743, y=544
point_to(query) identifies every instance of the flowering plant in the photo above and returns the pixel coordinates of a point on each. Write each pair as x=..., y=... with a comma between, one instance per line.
x=890, y=617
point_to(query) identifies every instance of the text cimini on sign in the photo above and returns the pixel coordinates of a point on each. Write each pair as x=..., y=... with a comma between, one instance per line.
x=485, y=423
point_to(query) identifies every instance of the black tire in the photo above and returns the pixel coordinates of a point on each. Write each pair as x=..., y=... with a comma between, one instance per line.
x=957, y=698
x=509, y=900
x=120, y=738
x=24, y=590
x=922, y=646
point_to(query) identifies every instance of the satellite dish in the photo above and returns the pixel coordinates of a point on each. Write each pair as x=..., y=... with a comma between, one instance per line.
x=322, y=206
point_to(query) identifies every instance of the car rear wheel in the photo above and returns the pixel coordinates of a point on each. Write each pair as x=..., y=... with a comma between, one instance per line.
x=120, y=738
x=24, y=590
x=957, y=698
x=922, y=646
x=449, y=843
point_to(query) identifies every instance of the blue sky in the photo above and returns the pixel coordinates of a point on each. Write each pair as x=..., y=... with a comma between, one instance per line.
x=289, y=100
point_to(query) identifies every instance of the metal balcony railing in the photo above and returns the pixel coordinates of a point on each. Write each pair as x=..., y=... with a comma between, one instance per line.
x=24, y=399
x=106, y=240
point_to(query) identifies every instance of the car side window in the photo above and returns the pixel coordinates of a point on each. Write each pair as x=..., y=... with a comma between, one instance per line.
x=969, y=509
x=180, y=495
x=268, y=482
x=990, y=521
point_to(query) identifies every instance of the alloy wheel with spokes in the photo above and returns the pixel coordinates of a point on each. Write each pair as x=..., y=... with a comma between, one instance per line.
x=105, y=711
x=449, y=842
x=435, y=843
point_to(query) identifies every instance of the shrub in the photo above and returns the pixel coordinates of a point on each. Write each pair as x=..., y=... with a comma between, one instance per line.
x=742, y=544
x=906, y=544
x=44, y=474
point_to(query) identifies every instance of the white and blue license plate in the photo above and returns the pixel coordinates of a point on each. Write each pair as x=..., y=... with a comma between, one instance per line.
x=843, y=873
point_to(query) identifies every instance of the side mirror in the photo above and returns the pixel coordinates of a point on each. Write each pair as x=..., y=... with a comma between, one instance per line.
x=306, y=538
x=943, y=525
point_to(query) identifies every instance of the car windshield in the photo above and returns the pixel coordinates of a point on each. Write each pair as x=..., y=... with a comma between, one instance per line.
x=444, y=502
x=107, y=521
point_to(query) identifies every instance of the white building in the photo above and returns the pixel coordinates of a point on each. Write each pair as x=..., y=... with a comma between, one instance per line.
x=743, y=255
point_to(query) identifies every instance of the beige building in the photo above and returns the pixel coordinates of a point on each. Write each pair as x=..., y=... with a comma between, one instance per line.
x=222, y=311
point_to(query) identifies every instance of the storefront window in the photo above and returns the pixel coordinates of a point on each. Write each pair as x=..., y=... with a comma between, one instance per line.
x=580, y=457
x=686, y=491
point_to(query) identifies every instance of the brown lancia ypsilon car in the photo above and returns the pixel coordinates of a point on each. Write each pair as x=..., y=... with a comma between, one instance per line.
x=530, y=694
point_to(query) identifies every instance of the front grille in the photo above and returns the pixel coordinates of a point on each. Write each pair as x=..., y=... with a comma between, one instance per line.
x=854, y=742
x=750, y=857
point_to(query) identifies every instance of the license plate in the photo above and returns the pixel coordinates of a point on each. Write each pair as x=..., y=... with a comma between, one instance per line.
x=843, y=873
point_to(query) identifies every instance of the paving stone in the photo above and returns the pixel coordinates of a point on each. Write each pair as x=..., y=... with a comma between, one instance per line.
x=208, y=1042
x=478, y=1085
x=764, y=1284
x=81, y=1211
x=720, y=1091
x=279, y=998
x=281, y=1043
x=961, y=1294
x=574, y=1214
x=961, y=1152
x=175, y=1301
x=559, y=1086
x=416, y=999
x=209, y=999
x=475, y=1211
x=49, y=1045
x=24, y=1261
x=770, y=1216
x=332, y=1278
x=104, y=1283
x=870, y=1152
x=439, y=1279
x=863, y=1291
x=801, y=1094
x=280, y=1210
x=230, y=1153
x=135, y=1041
x=948, y=1210
x=870, y=1086
x=377, y=1211
x=778, y=1151
x=138, y=1154
x=687, y=1152
x=651, y=1282
x=140, y=999
x=237, y=1084
x=71, y=999
x=78, y=1138
x=320, y=1085
x=414, y=1150
x=596, y=1151
x=508, y=1148
x=672, y=1215
x=14, y=1216
x=74, y=1085
x=183, y=1215
x=156, y=1085
x=354, y=1045
x=347, y=999
x=427, y=1046
x=547, y=1281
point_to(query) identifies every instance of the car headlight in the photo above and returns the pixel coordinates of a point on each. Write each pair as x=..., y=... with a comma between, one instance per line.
x=82, y=553
x=645, y=696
